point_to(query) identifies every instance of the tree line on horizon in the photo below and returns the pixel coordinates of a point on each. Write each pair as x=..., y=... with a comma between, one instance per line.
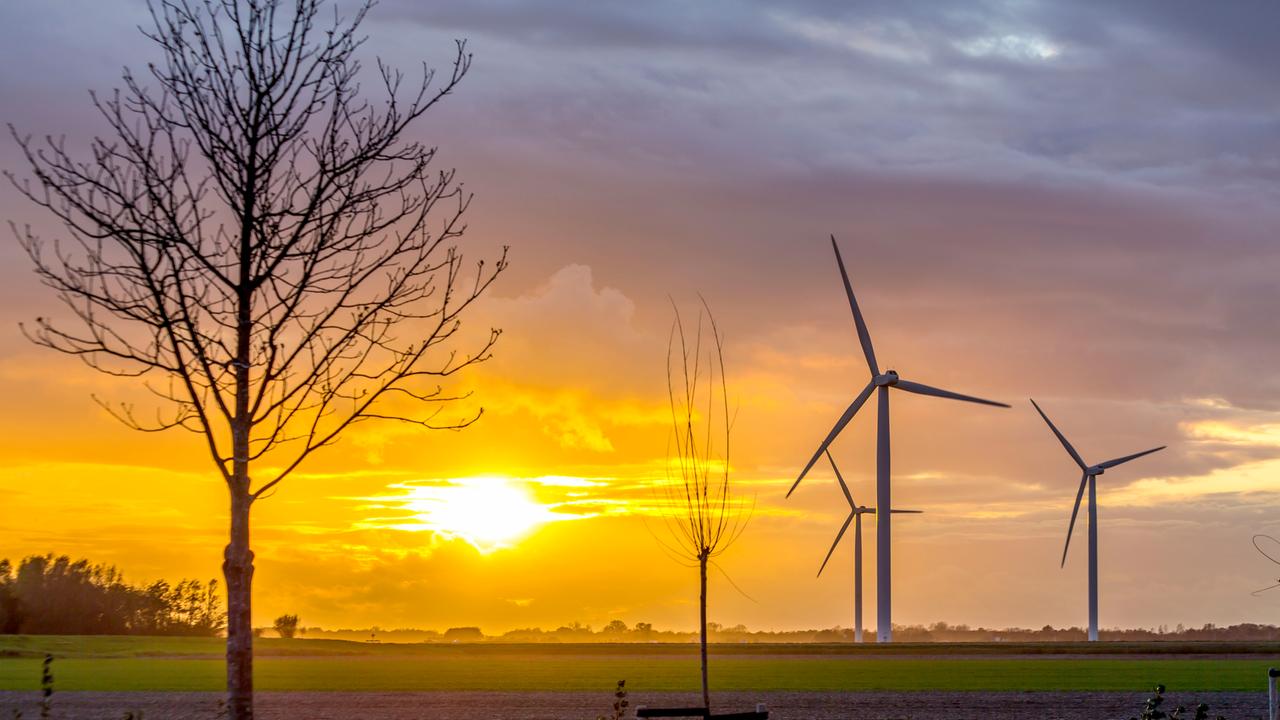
x=618, y=631
x=48, y=595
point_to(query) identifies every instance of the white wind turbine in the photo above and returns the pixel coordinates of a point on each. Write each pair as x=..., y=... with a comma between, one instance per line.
x=880, y=382
x=856, y=512
x=1089, y=478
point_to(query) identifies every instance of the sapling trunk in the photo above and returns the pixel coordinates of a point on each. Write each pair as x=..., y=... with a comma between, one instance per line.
x=702, y=605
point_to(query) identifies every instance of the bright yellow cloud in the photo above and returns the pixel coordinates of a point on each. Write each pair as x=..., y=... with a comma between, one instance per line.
x=1267, y=434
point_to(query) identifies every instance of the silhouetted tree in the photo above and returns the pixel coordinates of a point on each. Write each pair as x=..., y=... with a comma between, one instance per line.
x=263, y=247
x=701, y=513
x=286, y=626
x=55, y=595
x=195, y=609
x=10, y=610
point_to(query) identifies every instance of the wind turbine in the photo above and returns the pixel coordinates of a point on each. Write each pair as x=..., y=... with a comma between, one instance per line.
x=880, y=382
x=1089, y=478
x=856, y=512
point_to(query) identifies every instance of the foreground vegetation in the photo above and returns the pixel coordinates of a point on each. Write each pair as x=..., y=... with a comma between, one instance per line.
x=175, y=664
x=107, y=646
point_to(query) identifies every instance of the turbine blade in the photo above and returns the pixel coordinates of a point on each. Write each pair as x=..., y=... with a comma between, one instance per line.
x=1269, y=587
x=1061, y=438
x=919, y=389
x=840, y=479
x=1127, y=458
x=911, y=512
x=864, y=337
x=1074, y=511
x=839, y=535
x=1265, y=554
x=844, y=420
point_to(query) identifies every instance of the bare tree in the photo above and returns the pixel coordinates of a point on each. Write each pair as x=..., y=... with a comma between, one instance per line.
x=286, y=626
x=266, y=250
x=701, y=513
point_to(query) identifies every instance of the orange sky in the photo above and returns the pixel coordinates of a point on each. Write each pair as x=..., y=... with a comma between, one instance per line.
x=1131, y=293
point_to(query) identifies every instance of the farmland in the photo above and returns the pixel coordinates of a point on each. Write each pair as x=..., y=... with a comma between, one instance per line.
x=194, y=664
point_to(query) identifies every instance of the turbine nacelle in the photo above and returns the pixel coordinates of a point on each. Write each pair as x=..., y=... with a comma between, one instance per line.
x=889, y=378
x=1095, y=470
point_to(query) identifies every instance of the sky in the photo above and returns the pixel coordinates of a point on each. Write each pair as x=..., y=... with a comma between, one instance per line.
x=1074, y=202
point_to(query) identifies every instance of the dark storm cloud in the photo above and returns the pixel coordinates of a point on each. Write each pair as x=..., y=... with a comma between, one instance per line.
x=1098, y=180
x=1154, y=94
x=1071, y=170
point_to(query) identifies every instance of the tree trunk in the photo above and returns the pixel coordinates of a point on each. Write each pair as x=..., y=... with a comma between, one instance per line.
x=702, y=603
x=238, y=570
x=238, y=565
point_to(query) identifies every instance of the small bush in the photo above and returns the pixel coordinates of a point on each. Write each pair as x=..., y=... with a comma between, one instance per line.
x=286, y=626
x=620, y=703
x=1151, y=709
x=46, y=687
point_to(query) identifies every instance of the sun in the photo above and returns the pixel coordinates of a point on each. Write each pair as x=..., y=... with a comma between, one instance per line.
x=490, y=513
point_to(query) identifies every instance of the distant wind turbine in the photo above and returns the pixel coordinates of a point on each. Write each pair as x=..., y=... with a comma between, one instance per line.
x=882, y=383
x=856, y=512
x=1089, y=478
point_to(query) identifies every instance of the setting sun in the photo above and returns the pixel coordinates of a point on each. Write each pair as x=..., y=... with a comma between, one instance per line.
x=490, y=513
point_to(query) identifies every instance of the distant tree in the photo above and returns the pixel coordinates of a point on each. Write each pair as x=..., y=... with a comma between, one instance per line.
x=615, y=627
x=263, y=247
x=463, y=634
x=10, y=610
x=575, y=631
x=533, y=634
x=286, y=626
x=701, y=513
x=196, y=608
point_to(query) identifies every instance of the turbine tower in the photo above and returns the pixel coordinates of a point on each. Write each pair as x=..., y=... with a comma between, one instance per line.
x=880, y=382
x=1089, y=478
x=856, y=512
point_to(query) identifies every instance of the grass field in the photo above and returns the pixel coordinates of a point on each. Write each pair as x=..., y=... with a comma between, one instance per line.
x=165, y=664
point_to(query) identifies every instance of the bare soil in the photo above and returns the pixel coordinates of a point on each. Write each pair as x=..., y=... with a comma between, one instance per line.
x=925, y=705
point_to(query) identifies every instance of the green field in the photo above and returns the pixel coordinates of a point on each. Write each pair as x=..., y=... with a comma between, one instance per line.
x=125, y=663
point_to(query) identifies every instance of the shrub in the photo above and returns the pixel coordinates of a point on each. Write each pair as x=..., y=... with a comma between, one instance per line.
x=1151, y=709
x=620, y=703
x=286, y=626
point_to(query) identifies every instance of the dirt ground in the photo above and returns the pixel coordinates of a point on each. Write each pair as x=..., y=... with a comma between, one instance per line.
x=588, y=706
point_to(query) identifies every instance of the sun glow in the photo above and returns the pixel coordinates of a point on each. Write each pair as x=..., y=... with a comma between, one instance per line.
x=490, y=513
